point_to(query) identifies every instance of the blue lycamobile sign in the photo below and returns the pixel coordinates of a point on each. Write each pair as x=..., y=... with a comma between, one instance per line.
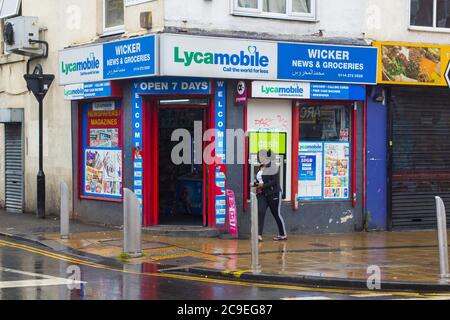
x=114, y=60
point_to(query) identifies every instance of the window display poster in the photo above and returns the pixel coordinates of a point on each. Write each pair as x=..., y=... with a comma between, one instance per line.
x=308, y=168
x=103, y=173
x=311, y=170
x=337, y=171
x=104, y=138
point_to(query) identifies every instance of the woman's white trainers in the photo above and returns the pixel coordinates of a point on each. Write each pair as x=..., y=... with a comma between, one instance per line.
x=280, y=238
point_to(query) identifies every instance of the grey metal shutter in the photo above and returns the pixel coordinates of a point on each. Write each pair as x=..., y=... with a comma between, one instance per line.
x=420, y=123
x=14, y=167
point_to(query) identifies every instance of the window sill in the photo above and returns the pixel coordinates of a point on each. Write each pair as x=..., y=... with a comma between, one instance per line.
x=429, y=29
x=113, y=32
x=275, y=16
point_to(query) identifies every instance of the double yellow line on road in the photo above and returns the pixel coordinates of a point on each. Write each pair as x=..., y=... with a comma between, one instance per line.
x=76, y=261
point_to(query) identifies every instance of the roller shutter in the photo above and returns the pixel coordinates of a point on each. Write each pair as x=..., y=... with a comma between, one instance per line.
x=420, y=151
x=14, y=168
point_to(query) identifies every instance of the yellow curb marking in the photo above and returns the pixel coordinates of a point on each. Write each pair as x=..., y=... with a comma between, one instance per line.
x=239, y=273
x=206, y=280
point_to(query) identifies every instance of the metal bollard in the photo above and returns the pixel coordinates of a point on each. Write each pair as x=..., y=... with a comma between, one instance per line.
x=132, y=225
x=254, y=231
x=442, y=237
x=64, y=213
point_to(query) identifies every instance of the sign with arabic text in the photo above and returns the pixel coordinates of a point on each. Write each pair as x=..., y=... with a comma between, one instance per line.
x=327, y=63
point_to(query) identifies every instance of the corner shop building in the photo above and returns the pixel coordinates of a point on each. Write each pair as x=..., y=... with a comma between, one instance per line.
x=129, y=96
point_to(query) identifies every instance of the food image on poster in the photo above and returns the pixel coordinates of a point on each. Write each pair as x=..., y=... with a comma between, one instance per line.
x=411, y=64
x=103, y=172
x=104, y=138
x=337, y=171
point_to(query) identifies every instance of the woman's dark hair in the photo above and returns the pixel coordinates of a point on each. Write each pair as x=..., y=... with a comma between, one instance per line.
x=268, y=153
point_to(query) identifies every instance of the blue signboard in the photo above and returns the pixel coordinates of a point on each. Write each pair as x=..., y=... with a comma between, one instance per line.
x=180, y=86
x=220, y=126
x=327, y=91
x=308, y=167
x=129, y=58
x=327, y=63
x=97, y=89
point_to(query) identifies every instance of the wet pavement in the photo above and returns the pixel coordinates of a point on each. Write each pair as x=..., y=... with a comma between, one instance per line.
x=36, y=273
x=406, y=257
x=400, y=256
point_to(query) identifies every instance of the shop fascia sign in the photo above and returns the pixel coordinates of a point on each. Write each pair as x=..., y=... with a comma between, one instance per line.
x=217, y=57
x=402, y=63
x=124, y=59
x=307, y=90
x=183, y=55
x=91, y=90
x=447, y=74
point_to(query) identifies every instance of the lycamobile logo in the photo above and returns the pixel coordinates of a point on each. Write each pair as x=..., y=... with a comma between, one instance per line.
x=91, y=63
x=281, y=90
x=74, y=92
x=249, y=58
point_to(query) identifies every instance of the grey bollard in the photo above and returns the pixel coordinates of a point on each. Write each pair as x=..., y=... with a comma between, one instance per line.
x=254, y=231
x=132, y=225
x=64, y=213
x=442, y=238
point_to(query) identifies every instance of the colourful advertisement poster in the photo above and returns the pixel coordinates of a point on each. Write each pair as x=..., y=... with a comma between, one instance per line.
x=232, y=213
x=337, y=171
x=412, y=64
x=103, y=173
x=311, y=170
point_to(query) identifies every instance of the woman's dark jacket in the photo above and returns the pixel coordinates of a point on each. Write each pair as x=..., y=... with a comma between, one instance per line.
x=272, y=184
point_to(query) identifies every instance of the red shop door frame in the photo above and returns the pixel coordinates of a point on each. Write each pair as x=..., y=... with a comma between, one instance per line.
x=150, y=152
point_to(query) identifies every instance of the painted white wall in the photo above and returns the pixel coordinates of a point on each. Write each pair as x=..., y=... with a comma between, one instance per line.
x=389, y=20
x=65, y=23
x=385, y=20
x=215, y=15
x=273, y=114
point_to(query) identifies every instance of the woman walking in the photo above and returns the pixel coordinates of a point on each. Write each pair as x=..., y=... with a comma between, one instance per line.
x=269, y=193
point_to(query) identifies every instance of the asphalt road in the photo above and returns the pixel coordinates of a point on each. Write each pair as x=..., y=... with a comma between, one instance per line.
x=31, y=272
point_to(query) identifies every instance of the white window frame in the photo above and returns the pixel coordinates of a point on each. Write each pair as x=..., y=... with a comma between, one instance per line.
x=17, y=9
x=434, y=28
x=112, y=30
x=289, y=15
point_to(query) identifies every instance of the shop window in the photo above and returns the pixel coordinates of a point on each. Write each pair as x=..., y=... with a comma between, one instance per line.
x=324, y=159
x=113, y=16
x=282, y=9
x=434, y=14
x=101, y=155
x=325, y=123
